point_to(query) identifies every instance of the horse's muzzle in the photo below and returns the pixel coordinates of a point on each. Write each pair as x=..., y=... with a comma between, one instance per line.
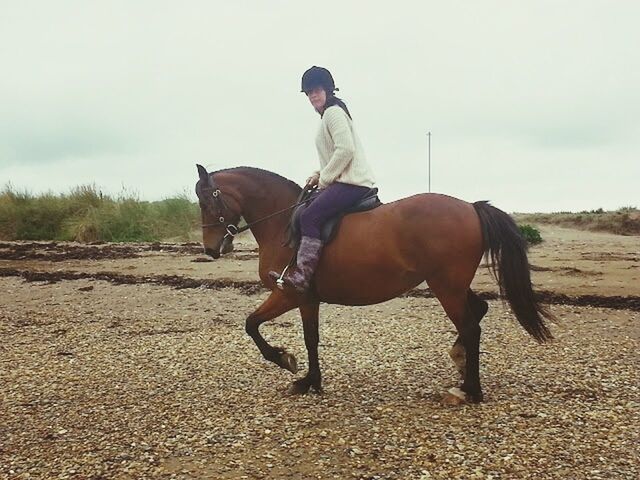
x=212, y=252
x=227, y=245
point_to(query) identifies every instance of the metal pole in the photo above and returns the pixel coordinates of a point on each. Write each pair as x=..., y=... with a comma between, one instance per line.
x=429, y=150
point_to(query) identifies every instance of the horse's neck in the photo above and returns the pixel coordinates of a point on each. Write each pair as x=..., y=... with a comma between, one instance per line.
x=265, y=199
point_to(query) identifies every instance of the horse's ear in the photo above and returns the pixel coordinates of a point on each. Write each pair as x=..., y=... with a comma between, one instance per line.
x=204, y=176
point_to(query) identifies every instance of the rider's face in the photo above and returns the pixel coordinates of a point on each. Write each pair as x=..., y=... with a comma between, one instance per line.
x=318, y=97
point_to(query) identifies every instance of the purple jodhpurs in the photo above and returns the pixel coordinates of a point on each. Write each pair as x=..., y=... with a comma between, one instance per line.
x=332, y=200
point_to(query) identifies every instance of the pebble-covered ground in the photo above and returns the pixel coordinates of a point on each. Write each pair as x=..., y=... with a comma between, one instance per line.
x=102, y=381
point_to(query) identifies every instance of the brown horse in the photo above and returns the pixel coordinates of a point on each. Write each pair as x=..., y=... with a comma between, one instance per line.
x=375, y=256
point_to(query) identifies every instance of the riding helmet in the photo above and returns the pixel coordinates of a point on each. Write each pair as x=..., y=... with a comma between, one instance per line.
x=318, y=77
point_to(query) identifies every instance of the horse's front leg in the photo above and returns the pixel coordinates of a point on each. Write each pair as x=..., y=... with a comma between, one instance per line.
x=313, y=379
x=273, y=307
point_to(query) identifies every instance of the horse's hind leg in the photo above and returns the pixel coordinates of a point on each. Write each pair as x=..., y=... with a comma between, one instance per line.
x=457, y=353
x=457, y=306
x=273, y=307
x=309, y=313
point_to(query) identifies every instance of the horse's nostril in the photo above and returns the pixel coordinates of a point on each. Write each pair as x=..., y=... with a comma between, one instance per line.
x=211, y=252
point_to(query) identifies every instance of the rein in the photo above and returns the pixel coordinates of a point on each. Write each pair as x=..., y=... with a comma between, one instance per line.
x=233, y=230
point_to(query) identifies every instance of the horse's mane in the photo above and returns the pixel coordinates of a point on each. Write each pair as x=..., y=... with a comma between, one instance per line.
x=260, y=172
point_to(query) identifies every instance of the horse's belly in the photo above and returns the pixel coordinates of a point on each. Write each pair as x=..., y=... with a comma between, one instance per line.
x=357, y=284
x=365, y=264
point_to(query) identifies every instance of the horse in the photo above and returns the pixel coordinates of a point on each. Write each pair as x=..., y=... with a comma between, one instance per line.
x=375, y=256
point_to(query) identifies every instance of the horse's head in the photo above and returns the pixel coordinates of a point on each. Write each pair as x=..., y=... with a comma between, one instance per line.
x=220, y=215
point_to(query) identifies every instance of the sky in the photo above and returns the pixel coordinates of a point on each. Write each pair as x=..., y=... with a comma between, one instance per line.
x=534, y=105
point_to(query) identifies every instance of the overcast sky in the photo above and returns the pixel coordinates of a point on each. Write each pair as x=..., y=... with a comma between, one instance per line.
x=534, y=105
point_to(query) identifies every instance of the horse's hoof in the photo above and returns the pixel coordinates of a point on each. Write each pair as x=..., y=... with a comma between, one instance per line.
x=475, y=397
x=288, y=362
x=304, y=386
x=298, y=388
x=455, y=397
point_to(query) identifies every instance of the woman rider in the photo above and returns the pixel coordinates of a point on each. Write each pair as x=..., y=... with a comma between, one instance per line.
x=343, y=179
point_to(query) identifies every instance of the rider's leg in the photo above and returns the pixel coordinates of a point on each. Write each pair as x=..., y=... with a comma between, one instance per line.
x=330, y=201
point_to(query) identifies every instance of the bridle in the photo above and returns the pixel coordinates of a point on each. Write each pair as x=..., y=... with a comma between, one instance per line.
x=232, y=229
x=221, y=205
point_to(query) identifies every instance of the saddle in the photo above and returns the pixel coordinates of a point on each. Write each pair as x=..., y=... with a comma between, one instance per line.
x=330, y=228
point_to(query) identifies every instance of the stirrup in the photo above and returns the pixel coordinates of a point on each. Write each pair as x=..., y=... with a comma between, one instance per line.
x=280, y=280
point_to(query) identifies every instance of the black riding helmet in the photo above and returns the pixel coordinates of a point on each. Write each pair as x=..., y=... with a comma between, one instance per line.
x=318, y=77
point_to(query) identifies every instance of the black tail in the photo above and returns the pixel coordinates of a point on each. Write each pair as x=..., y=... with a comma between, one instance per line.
x=508, y=251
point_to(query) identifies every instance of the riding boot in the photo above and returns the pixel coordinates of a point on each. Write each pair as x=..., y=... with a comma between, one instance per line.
x=308, y=257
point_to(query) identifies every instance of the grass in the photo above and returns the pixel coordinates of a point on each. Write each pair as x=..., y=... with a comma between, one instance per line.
x=87, y=215
x=624, y=221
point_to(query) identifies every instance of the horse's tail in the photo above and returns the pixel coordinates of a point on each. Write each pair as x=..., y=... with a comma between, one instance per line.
x=506, y=247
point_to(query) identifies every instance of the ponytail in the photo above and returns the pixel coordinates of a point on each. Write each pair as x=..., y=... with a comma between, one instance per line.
x=333, y=100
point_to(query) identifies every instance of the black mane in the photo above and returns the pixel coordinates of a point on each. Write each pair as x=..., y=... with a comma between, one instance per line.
x=290, y=183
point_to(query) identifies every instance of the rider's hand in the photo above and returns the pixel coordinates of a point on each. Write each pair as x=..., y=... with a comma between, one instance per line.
x=313, y=180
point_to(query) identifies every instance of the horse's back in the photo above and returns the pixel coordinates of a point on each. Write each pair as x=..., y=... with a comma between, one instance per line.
x=396, y=246
x=414, y=220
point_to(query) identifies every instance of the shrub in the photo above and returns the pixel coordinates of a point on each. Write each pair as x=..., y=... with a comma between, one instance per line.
x=531, y=234
x=627, y=209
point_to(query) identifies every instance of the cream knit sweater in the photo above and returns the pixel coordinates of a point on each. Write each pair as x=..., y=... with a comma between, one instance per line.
x=340, y=152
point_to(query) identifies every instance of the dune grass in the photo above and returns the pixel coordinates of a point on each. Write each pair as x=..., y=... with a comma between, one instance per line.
x=87, y=215
x=624, y=221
